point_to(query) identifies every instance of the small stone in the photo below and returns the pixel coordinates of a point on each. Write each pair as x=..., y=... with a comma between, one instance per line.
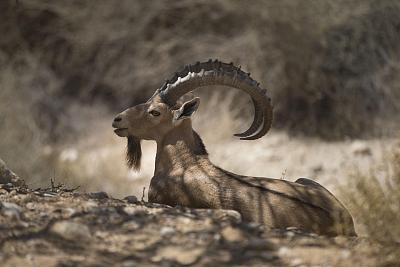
x=30, y=206
x=290, y=234
x=98, y=195
x=144, y=241
x=167, y=231
x=228, y=215
x=296, y=262
x=217, y=237
x=136, y=210
x=131, y=225
x=3, y=192
x=11, y=210
x=231, y=234
x=179, y=254
x=71, y=230
x=260, y=244
x=344, y=254
x=89, y=205
x=131, y=199
x=129, y=263
x=283, y=251
x=68, y=212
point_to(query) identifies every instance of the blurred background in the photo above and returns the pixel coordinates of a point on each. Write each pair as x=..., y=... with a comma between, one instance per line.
x=68, y=66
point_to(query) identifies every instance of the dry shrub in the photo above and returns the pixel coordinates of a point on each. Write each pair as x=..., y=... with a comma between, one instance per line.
x=331, y=66
x=374, y=201
x=21, y=138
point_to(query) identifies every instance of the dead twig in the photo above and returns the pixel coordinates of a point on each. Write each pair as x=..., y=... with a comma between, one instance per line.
x=142, y=199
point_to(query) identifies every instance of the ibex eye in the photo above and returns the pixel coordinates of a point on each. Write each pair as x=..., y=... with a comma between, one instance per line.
x=155, y=113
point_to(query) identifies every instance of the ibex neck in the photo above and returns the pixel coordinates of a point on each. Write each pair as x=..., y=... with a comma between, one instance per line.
x=179, y=150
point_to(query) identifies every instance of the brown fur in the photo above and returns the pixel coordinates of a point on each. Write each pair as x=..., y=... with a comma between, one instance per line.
x=185, y=176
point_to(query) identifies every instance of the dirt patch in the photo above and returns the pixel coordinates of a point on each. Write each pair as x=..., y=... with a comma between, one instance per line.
x=58, y=228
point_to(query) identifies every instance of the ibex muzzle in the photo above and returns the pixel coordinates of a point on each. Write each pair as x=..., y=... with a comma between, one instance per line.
x=185, y=176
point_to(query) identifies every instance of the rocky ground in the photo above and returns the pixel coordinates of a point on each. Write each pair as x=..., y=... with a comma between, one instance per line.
x=57, y=226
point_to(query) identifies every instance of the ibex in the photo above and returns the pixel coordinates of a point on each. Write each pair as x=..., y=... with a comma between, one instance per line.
x=185, y=176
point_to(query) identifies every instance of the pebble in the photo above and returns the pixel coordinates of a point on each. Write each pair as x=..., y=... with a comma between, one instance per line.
x=260, y=244
x=11, y=210
x=179, y=254
x=131, y=225
x=165, y=231
x=131, y=199
x=297, y=262
x=135, y=211
x=90, y=205
x=72, y=231
x=13, y=193
x=68, y=212
x=231, y=234
x=3, y=192
x=30, y=206
x=98, y=195
x=230, y=215
x=129, y=263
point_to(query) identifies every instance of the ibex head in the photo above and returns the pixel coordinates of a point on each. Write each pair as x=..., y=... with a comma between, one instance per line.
x=163, y=111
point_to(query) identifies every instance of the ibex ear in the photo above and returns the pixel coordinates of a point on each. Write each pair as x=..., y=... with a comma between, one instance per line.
x=187, y=109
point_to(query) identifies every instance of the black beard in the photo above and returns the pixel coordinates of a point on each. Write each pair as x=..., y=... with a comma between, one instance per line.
x=133, y=153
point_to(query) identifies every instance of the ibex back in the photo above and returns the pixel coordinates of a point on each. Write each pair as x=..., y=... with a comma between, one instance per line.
x=185, y=176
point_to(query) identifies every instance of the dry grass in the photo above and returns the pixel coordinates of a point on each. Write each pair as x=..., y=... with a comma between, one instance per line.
x=374, y=200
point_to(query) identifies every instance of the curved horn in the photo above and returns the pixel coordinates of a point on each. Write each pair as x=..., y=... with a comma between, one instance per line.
x=219, y=73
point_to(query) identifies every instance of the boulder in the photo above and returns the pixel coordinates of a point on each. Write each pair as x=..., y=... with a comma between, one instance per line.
x=7, y=176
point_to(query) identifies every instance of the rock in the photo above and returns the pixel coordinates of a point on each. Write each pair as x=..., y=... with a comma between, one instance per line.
x=90, y=206
x=31, y=206
x=179, y=254
x=68, y=212
x=297, y=262
x=129, y=263
x=283, y=251
x=231, y=234
x=3, y=192
x=165, y=231
x=7, y=176
x=228, y=215
x=360, y=148
x=141, y=241
x=260, y=244
x=131, y=199
x=135, y=211
x=98, y=195
x=11, y=210
x=71, y=231
x=131, y=225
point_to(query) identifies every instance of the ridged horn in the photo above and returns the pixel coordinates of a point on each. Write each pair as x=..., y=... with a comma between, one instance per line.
x=219, y=73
